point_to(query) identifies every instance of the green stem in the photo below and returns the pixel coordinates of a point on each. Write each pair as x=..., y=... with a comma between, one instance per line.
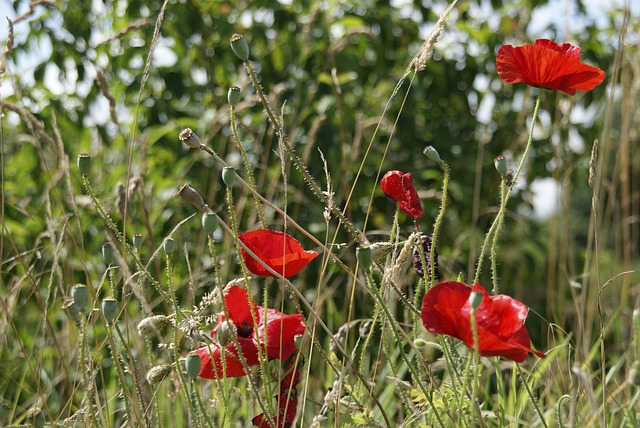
x=126, y=394
x=494, y=241
x=533, y=400
x=503, y=206
x=247, y=165
x=296, y=160
x=438, y=223
x=88, y=389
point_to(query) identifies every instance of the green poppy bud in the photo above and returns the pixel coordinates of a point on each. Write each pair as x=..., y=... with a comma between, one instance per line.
x=109, y=310
x=225, y=333
x=188, y=137
x=365, y=257
x=475, y=299
x=158, y=373
x=169, y=245
x=229, y=176
x=209, y=222
x=109, y=254
x=501, y=165
x=80, y=296
x=234, y=95
x=84, y=164
x=152, y=325
x=193, y=363
x=297, y=340
x=432, y=154
x=420, y=343
x=137, y=241
x=240, y=47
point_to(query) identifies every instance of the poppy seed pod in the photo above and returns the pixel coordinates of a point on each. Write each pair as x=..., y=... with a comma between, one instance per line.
x=109, y=310
x=365, y=257
x=169, y=245
x=188, y=137
x=158, y=373
x=432, y=154
x=240, y=47
x=475, y=299
x=193, y=364
x=137, y=240
x=226, y=332
x=80, y=296
x=191, y=195
x=70, y=307
x=84, y=164
x=109, y=254
x=234, y=95
x=209, y=222
x=229, y=176
x=501, y=165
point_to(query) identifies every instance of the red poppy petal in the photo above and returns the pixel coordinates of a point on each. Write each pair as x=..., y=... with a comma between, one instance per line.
x=410, y=204
x=280, y=251
x=239, y=305
x=232, y=367
x=280, y=336
x=442, y=306
x=567, y=49
x=391, y=185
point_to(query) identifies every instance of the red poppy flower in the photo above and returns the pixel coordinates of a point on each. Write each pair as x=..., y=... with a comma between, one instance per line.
x=546, y=64
x=280, y=251
x=280, y=331
x=500, y=320
x=399, y=187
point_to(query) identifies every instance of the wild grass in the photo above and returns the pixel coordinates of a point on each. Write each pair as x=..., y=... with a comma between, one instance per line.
x=365, y=358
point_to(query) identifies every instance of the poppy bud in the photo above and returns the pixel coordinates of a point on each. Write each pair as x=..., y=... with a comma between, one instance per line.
x=109, y=310
x=209, y=222
x=158, y=373
x=70, y=307
x=240, y=47
x=432, y=154
x=420, y=343
x=109, y=254
x=191, y=195
x=152, y=325
x=229, y=176
x=169, y=245
x=193, y=364
x=475, y=299
x=365, y=257
x=84, y=164
x=634, y=373
x=297, y=340
x=190, y=138
x=225, y=333
x=234, y=95
x=137, y=240
x=80, y=297
x=380, y=250
x=501, y=165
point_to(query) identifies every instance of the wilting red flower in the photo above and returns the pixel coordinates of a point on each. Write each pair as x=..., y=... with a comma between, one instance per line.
x=280, y=331
x=546, y=64
x=280, y=251
x=500, y=320
x=426, y=250
x=399, y=187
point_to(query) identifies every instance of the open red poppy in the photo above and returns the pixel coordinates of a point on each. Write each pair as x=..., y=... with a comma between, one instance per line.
x=280, y=251
x=279, y=330
x=546, y=64
x=399, y=187
x=500, y=320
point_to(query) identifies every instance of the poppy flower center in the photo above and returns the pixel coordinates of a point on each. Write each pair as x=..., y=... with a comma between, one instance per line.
x=245, y=329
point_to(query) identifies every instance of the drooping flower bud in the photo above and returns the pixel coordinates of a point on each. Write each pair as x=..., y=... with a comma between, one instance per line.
x=109, y=310
x=84, y=164
x=501, y=165
x=432, y=154
x=193, y=364
x=80, y=296
x=228, y=176
x=209, y=222
x=240, y=47
x=188, y=137
x=152, y=325
x=169, y=245
x=420, y=343
x=158, y=373
x=226, y=332
x=191, y=195
x=234, y=95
